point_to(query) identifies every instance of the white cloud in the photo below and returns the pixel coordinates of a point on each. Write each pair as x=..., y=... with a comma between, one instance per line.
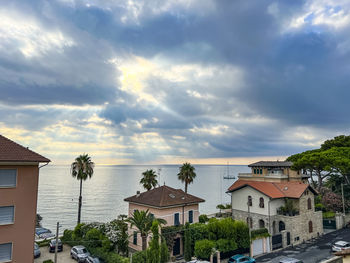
x=30, y=38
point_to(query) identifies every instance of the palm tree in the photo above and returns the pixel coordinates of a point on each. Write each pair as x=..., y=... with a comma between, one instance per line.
x=149, y=179
x=143, y=220
x=186, y=174
x=82, y=168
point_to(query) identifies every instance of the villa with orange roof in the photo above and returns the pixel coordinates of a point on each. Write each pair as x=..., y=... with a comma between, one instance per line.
x=275, y=197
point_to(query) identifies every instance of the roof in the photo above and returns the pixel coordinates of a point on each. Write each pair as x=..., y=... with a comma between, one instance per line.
x=272, y=189
x=11, y=151
x=271, y=164
x=164, y=196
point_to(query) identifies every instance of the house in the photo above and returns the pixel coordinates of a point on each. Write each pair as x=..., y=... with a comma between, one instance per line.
x=172, y=205
x=19, y=175
x=275, y=197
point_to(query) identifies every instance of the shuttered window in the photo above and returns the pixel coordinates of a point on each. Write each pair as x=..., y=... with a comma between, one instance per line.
x=176, y=219
x=8, y=177
x=190, y=216
x=5, y=252
x=7, y=215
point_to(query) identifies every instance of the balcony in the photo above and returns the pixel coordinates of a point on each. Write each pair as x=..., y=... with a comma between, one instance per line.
x=283, y=212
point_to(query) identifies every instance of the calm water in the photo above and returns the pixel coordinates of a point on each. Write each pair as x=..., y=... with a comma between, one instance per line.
x=104, y=193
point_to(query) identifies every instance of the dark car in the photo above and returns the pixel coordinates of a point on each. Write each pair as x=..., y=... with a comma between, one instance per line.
x=37, y=252
x=52, y=245
x=91, y=259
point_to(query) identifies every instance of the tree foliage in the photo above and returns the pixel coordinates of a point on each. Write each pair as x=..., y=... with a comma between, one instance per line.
x=188, y=243
x=149, y=179
x=204, y=248
x=143, y=220
x=186, y=174
x=153, y=252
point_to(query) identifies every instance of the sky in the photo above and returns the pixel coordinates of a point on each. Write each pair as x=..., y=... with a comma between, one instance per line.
x=170, y=81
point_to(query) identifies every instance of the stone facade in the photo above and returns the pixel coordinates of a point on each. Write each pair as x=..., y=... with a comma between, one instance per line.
x=304, y=226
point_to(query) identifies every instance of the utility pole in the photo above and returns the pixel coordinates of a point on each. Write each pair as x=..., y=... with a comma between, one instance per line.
x=56, y=246
x=250, y=233
x=342, y=197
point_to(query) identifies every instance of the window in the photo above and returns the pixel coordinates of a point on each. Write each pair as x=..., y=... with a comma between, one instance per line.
x=309, y=206
x=151, y=215
x=260, y=170
x=261, y=223
x=176, y=219
x=190, y=216
x=8, y=177
x=254, y=171
x=7, y=215
x=134, y=241
x=281, y=226
x=261, y=202
x=310, y=227
x=250, y=201
x=5, y=252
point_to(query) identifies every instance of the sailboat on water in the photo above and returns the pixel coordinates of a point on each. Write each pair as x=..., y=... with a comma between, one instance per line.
x=228, y=175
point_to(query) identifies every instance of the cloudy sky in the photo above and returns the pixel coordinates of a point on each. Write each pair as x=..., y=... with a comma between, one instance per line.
x=168, y=81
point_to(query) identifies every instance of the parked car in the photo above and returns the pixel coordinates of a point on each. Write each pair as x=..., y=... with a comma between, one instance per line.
x=79, y=253
x=340, y=245
x=37, y=252
x=240, y=258
x=198, y=261
x=42, y=233
x=91, y=259
x=52, y=245
x=290, y=260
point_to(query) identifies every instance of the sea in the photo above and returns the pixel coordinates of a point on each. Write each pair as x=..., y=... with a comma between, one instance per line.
x=104, y=193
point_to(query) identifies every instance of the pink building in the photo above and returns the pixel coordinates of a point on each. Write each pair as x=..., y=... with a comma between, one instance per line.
x=170, y=204
x=19, y=174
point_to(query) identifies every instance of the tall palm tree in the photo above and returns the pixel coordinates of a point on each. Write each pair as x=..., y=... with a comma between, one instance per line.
x=82, y=168
x=186, y=174
x=149, y=179
x=143, y=220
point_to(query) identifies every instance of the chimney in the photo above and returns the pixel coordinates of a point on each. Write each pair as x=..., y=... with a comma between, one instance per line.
x=137, y=193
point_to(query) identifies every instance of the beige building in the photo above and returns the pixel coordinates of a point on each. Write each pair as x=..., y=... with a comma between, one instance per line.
x=170, y=204
x=277, y=198
x=19, y=174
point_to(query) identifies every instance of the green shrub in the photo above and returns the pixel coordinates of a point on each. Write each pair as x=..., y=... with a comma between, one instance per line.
x=225, y=245
x=93, y=238
x=203, y=219
x=320, y=207
x=187, y=243
x=48, y=261
x=328, y=214
x=242, y=234
x=43, y=243
x=204, y=248
x=164, y=252
x=259, y=233
x=139, y=257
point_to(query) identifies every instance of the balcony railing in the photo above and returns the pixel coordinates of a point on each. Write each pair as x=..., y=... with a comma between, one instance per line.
x=287, y=213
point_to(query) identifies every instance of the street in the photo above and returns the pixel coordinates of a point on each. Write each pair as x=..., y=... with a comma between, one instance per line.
x=310, y=251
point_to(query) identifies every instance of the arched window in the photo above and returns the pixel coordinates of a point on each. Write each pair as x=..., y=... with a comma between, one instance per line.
x=261, y=223
x=310, y=227
x=309, y=206
x=250, y=201
x=281, y=226
x=261, y=202
x=250, y=222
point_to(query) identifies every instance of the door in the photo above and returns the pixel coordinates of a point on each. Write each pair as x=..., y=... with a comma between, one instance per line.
x=176, y=247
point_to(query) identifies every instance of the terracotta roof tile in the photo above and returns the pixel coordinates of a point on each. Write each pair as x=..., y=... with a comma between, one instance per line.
x=13, y=152
x=273, y=190
x=164, y=196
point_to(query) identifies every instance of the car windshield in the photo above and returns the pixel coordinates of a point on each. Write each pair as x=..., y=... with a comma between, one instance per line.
x=53, y=241
x=96, y=260
x=82, y=251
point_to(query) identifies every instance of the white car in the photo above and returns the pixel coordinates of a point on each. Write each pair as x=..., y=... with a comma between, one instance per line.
x=340, y=245
x=79, y=253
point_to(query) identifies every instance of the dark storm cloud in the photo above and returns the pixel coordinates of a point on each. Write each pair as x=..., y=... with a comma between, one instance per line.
x=288, y=77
